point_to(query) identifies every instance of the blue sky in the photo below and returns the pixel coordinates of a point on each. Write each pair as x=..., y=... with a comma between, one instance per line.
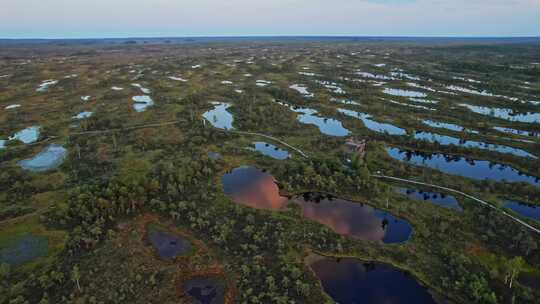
x=130, y=18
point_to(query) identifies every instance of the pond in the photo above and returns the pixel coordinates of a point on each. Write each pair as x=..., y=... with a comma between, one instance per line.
x=443, y=125
x=83, y=115
x=49, y=158
x=262, y=83
x=12, y=106
x=374, y=125
x=252, y=187
x=22, y=249
x=504, y=113
x=143, y=89
x=352, y=281
x=404, y=93
x=448, y=140
x=436, y=198
x=44, y=86
x=214, y=155
x=219, y=117
x=2, y=144
x=168, y=245
x=302, y=89
x=517, y=132
x=353, y=219
x=271, y=150
x=28, y=135
x=529, y=211
x=455, y=165
x=206, y=290
x=327, y=126
x=142, y=102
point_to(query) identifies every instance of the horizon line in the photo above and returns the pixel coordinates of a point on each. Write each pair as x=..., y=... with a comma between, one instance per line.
x=279, y=36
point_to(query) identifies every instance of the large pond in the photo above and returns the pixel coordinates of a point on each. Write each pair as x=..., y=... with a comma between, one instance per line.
x=251, y=187
x=504, y=113
x=327, y=126
x=436, y=198
x=23, y=249
x=168, y=245
x=448, y=140
x=374, y=125
x=530, y=211
x=352, y=281
x=352, y=219
x=475, y=169
x=206, y=290
x=270, y=150
x=219, y=117
x=49, y=158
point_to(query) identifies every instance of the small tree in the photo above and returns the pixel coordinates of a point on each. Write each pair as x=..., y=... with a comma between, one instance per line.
x=76, y=276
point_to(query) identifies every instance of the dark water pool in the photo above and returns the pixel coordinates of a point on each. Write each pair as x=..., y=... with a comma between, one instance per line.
x=205, y=290
x=436, y=198
x=167, y=244
x=351, y=281
x=530, y=211
x=23, y=249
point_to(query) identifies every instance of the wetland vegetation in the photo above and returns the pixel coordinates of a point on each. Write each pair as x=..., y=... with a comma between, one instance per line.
x=256, y=171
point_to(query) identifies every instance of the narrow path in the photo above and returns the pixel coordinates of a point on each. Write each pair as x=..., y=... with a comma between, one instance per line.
x=462, y=194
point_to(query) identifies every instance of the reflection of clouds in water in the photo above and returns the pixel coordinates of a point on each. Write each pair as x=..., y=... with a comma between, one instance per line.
x=346, y=218
x=262, y=194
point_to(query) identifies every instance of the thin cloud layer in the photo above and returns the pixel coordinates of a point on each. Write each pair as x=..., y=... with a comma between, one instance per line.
x=105, y=18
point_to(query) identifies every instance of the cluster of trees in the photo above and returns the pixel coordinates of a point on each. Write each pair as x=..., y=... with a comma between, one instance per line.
x=501, y=232
x=184, y=189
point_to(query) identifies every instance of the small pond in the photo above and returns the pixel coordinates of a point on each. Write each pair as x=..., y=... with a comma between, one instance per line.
x=302, y=89
x=219, y=117
x=142, y=102
x=352, y=281
x=517, y=132
x=436, y=198
x=356, y=220
x=49, y=158
x=83, y=115
x=252, y=187
x=28, y=135
x=374, y=125
x=455, y=165
x=44, y=86
x=23, y=249
x=271, y=150
x=530, y=211
x=206, y=290
x=167, y=244
x=404, y=93
x=443, y=125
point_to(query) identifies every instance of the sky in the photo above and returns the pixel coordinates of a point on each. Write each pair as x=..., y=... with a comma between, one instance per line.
x=175, y=18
